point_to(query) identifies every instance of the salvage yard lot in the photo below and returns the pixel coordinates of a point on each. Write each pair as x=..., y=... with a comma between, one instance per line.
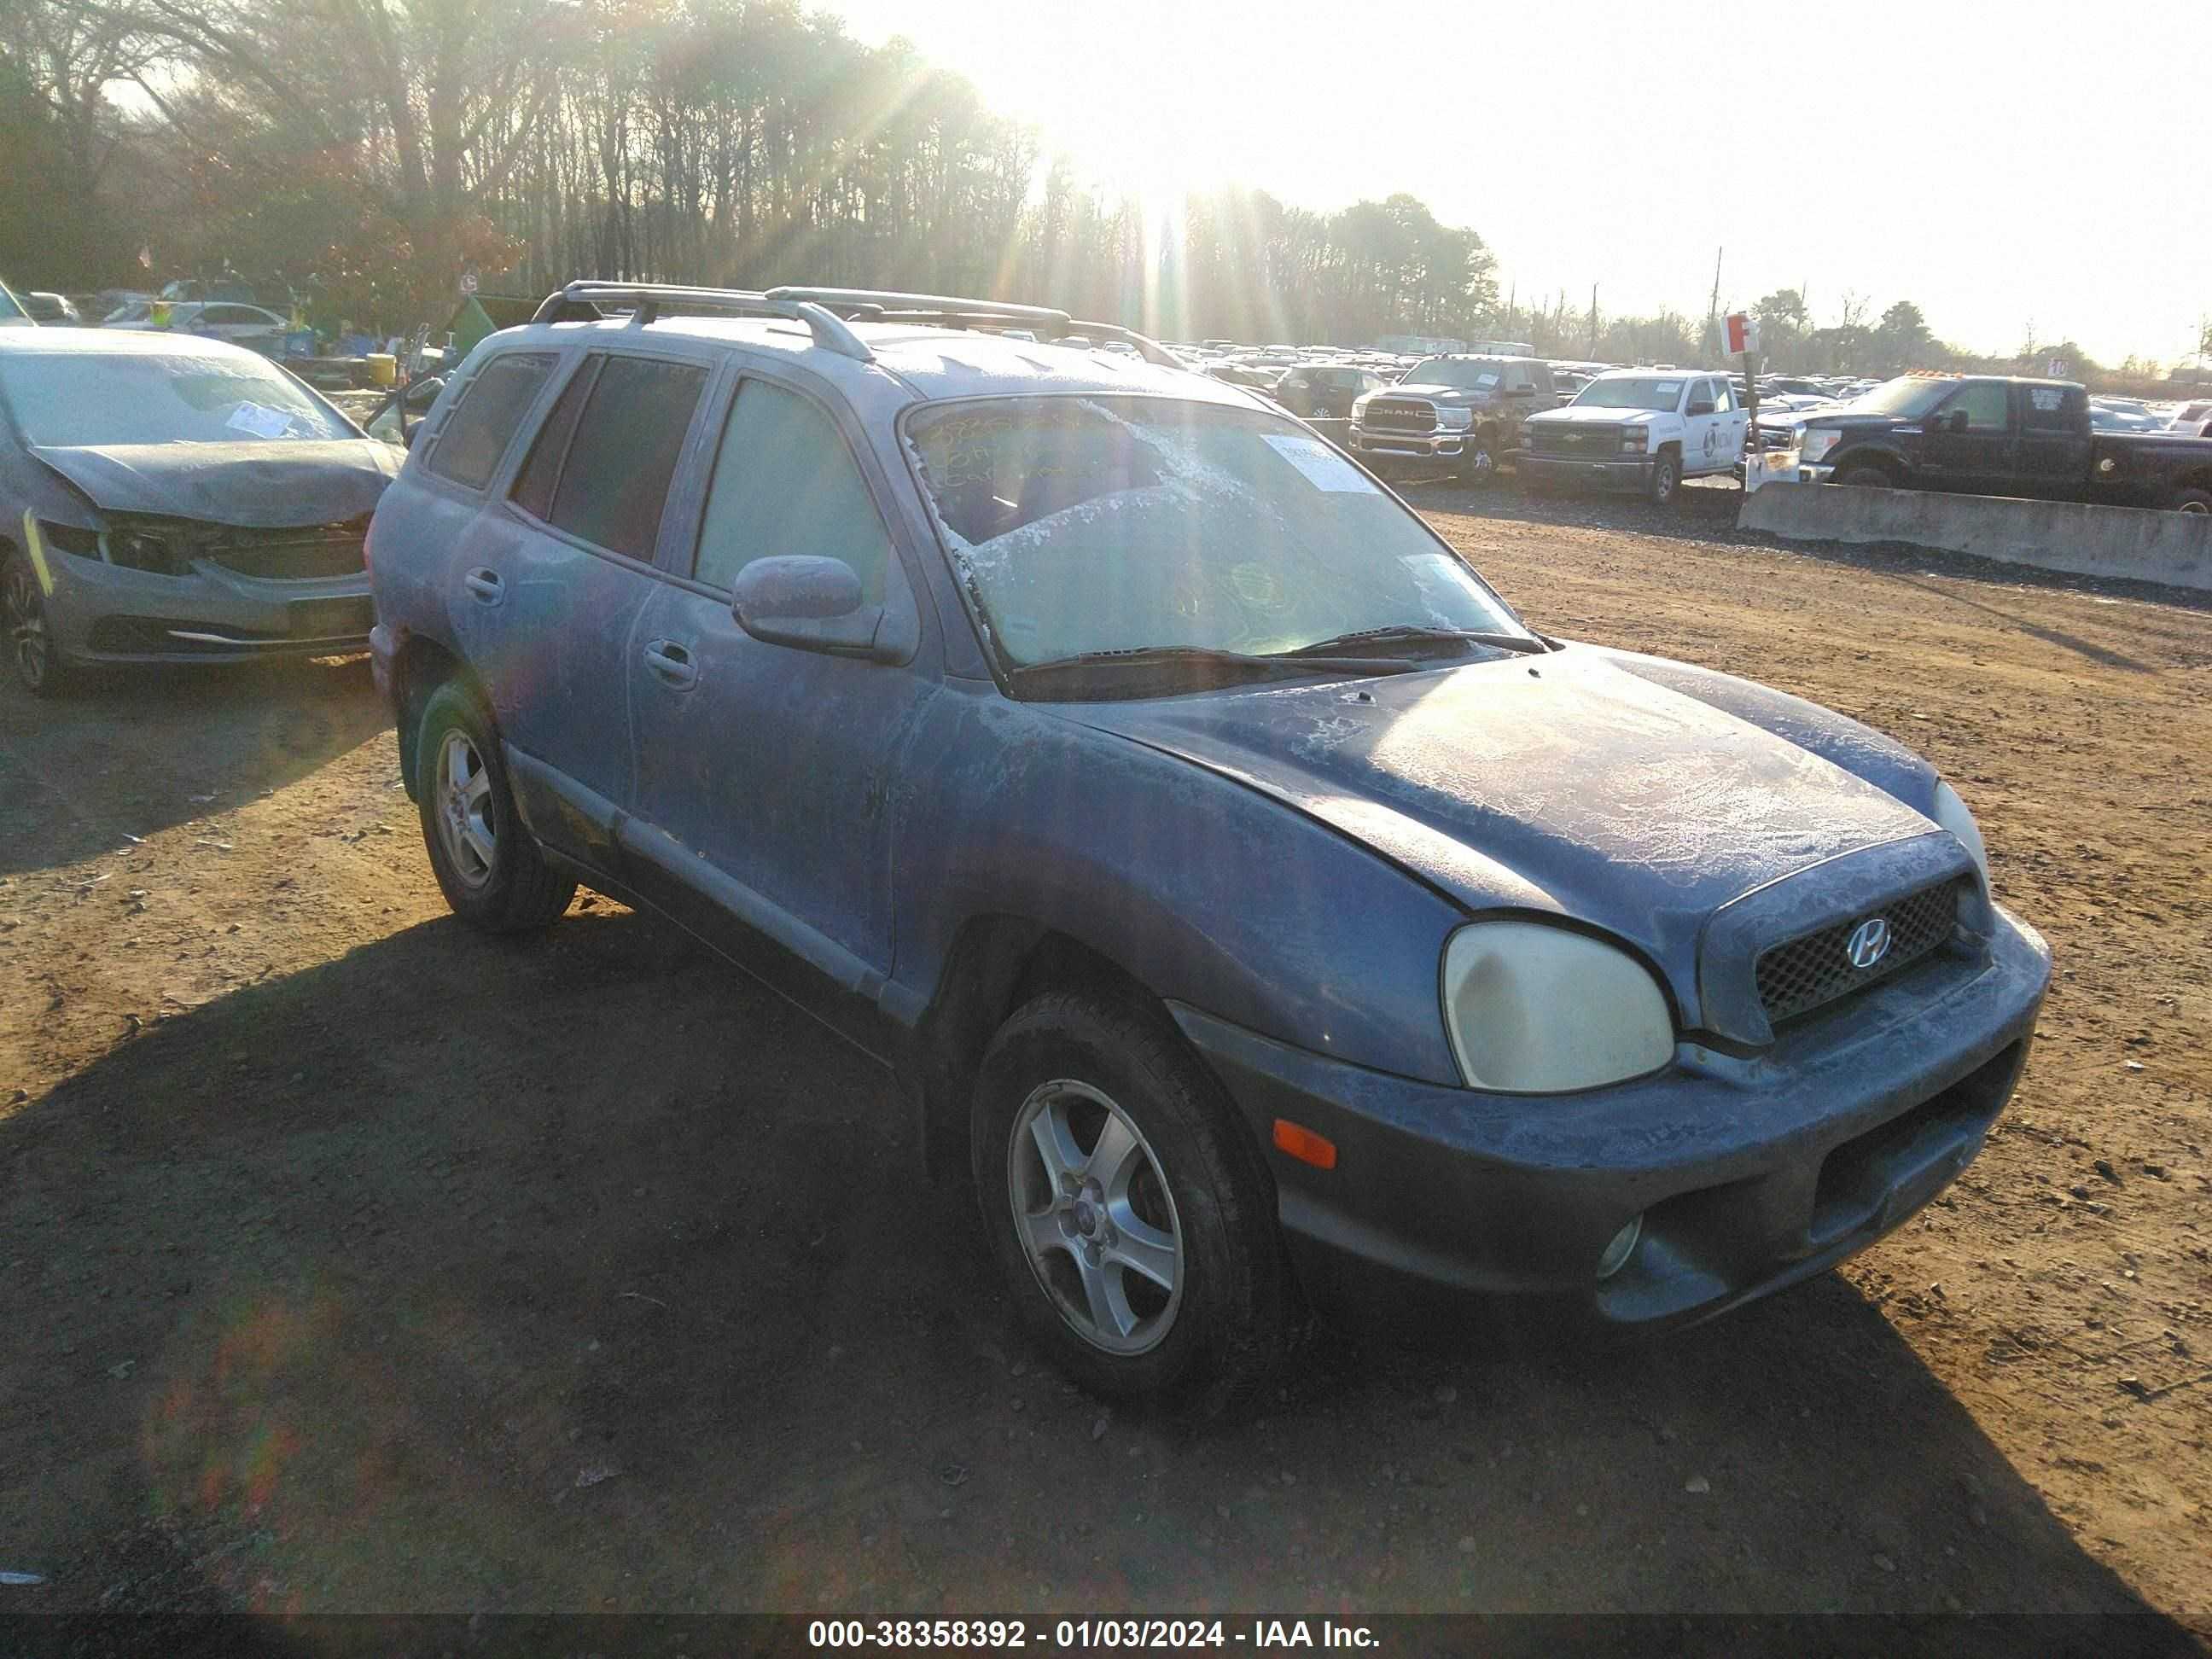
x=350, y=1260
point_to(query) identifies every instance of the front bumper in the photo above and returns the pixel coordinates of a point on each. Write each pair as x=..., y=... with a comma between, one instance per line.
x=1750, y=1174
x=1439, y=446
x=99, y=612
x=1611, y=472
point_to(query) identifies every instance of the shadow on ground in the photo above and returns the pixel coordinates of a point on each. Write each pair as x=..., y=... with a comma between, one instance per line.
x=139, y=751
x=577, y=1273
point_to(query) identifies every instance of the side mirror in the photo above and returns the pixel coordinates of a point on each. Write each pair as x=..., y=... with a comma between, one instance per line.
x=1701, y=406
x=1958, y=420
x=1521, y=392
x=814, y=603
x=408, y=434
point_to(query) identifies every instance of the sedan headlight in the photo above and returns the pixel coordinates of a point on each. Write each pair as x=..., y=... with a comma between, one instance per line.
x=1456, y=420
x=1817, y=441
x=1951, y=812
x=137, y=550
x=1534, y=1009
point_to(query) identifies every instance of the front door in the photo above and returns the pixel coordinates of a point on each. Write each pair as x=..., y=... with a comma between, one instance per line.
x=765, y=772
x=1702, y=429
x=1970, y=445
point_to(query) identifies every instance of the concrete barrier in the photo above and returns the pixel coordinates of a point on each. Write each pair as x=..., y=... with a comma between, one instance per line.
x=2126, y=543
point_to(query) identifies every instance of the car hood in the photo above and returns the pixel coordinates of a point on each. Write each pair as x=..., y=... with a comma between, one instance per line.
x=1560, y=784
x=1591, y=415
x=1438, y=394
x=254, y=482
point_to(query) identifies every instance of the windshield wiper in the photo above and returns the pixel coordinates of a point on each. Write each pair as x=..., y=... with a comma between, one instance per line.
x=1196, y=656
x=1402, y=634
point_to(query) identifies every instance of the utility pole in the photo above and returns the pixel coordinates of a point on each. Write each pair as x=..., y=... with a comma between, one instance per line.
x=1713, y=306
x=1593, y=323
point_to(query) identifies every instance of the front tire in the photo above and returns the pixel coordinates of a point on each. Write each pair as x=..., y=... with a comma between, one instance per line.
x=1666, y=478
x=1868, y=477
x=1131, y=1215
x=2196, y=502
x=487, y=864
x=38, y=662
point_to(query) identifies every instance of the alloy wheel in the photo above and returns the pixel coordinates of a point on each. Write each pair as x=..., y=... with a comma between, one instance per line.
x=464, y=810
x=26, y=624
x=1091, y=1208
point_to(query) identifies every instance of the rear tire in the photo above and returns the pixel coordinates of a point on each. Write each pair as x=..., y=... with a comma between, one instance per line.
x=2196, y=502
x=487, y=864
x=40, y=667
x=1152, y=1178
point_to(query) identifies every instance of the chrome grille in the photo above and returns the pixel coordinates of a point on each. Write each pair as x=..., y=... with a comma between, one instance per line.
x=1559, y=438
x=1808, y=972
x=1400, y=414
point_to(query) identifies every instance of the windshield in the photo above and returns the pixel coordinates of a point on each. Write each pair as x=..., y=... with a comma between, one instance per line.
x=1634, y=392
x=1082, y=524
x=1908, y=395
x=1464, y=374
x=62, y=399
x=10, y=311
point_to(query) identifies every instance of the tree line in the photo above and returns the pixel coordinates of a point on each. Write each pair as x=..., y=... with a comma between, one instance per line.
x=369, y=152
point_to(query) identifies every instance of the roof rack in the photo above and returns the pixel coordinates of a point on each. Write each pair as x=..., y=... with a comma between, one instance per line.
x=884, y=305
x=585, y=301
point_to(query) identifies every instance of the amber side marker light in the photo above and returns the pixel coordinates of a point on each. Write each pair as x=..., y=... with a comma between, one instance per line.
x=1303, y=1144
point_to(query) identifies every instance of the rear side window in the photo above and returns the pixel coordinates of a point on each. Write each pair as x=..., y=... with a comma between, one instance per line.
x=615, y=481
x=533, y=487
x=2047, y=410
x=785, y=484
x=492, y=405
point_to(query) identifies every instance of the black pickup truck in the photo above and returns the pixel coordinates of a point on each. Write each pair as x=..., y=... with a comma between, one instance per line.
x=1989, y=435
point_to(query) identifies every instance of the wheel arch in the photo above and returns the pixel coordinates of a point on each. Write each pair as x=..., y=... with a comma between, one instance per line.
x=420, y=666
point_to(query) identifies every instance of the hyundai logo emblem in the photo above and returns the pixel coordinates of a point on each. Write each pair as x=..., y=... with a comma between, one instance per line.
x=1868, y=943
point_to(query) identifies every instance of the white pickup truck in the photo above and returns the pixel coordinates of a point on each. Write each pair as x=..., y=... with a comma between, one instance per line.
x=1636, y=429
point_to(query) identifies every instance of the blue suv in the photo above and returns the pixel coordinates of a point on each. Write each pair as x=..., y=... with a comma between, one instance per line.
x=1263, y=915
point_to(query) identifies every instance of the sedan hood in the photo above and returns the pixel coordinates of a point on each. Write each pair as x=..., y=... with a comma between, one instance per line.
x=253, y=484
x=1557, y=783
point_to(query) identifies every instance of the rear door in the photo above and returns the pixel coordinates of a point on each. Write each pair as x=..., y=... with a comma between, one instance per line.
x=764, y=772
x=586, y=510
x=2054, y=441
x=1979, y=455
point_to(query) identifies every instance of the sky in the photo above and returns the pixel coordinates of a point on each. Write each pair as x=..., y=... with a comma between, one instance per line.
x=2004, y=166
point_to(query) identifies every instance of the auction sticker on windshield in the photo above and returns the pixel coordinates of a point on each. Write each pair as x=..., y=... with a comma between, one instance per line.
x=1322, y=467
x=260, y=421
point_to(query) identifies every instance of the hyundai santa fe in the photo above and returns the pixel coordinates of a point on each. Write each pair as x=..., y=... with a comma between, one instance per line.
x=1259, y=912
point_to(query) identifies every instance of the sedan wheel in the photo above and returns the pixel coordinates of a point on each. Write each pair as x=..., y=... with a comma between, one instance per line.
x=1097, y=1220
x=23, y=610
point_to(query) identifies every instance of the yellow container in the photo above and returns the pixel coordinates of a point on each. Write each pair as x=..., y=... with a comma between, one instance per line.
x=382, y=367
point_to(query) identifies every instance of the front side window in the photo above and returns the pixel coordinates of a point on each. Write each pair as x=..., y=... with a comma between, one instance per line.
x=614, y=483
x=492, y=405
x=786, y=485
x=1986, y=404
x=1080, y=525
x=161, y=396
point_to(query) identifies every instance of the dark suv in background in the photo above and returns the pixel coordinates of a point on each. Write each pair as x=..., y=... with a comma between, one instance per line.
x=1452, y=415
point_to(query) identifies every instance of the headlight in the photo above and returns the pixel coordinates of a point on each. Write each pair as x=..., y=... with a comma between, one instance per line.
x=1456, y=420
x=1533, y=1009
x=1817, y=441
x=1632, y=439
x=137, y=550
x=1951, y=812
x=1359, y=405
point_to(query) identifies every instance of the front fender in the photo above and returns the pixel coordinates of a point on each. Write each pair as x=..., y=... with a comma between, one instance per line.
x=1206, y=891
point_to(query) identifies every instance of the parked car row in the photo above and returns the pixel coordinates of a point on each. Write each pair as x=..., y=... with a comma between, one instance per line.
x=1239, y=890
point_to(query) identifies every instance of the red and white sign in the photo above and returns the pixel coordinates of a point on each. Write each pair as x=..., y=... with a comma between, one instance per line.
x=1743, y=334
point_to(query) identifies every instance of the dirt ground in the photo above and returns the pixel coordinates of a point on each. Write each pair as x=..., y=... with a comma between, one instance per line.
x=348, y=1261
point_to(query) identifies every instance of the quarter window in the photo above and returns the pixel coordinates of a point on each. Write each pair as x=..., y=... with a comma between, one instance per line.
x=785, y=484
x=492, y=405
x=614, y=483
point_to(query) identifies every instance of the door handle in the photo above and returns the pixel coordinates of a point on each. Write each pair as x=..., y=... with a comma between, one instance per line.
x=672, y=664
x=484, y=582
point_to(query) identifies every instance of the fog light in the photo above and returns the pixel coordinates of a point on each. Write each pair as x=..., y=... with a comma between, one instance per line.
x=1623, y=1246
